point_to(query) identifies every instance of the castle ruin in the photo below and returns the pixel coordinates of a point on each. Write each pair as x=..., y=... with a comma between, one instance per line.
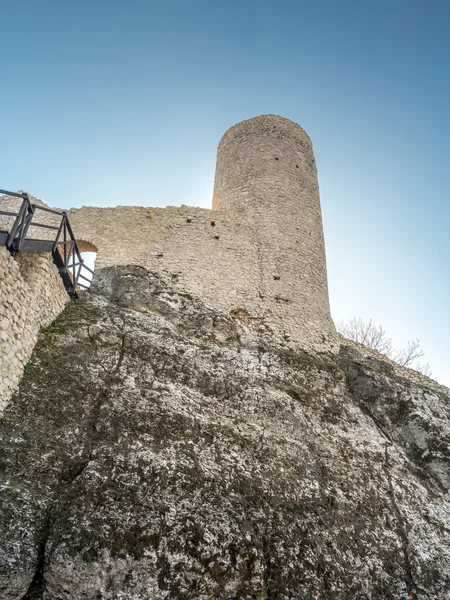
x=259, y=252
x=257, y=255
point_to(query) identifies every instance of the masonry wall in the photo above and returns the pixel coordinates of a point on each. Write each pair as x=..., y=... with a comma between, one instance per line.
x=208, y=254
x=31, y=296
x=213, y=255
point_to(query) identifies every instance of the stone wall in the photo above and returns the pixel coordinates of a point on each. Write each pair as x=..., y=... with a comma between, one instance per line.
x=31, y=296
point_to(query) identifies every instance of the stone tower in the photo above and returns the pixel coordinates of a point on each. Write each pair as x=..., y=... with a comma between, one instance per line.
x=266, y=175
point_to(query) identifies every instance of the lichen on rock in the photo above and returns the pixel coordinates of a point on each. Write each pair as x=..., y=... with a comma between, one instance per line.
x=159, y=449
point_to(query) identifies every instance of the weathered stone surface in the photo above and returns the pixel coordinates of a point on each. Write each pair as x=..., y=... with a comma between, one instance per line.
x=159, y=449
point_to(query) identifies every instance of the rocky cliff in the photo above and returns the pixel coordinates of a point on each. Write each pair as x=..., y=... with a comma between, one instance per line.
x=158, y=449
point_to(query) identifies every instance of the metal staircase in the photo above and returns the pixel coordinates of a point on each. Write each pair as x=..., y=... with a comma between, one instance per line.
x=63, y=245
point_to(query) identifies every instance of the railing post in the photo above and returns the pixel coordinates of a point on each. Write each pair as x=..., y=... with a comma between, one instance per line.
x=61, y=225
x=17, y=223
x=28, y=217
x=65, y=243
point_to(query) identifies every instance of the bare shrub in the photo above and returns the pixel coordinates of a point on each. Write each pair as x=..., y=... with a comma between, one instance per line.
x=375, y=337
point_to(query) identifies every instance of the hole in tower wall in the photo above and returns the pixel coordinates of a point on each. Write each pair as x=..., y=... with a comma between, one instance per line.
x=213, y=223
x=276, y=158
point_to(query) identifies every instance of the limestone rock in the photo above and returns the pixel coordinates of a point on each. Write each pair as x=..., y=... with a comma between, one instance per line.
x=158, y=449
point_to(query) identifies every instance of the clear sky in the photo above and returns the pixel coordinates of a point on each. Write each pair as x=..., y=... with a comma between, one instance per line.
x=108, y=102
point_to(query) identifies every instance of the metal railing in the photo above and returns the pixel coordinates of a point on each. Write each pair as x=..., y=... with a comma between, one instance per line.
x=64, y=247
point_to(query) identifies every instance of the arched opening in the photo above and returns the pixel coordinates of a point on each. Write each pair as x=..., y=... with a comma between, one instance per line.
x=89, y=254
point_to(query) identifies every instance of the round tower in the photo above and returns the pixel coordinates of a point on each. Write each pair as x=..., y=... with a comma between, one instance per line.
x=266, y=176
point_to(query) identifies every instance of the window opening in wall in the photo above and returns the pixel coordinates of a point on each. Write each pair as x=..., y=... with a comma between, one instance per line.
x=89, y=255
x=89, y=260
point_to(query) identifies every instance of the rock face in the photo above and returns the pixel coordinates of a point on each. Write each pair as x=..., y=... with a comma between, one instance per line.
x=158, y=449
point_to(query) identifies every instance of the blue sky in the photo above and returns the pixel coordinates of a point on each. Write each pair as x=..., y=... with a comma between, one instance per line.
x=124, y=103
